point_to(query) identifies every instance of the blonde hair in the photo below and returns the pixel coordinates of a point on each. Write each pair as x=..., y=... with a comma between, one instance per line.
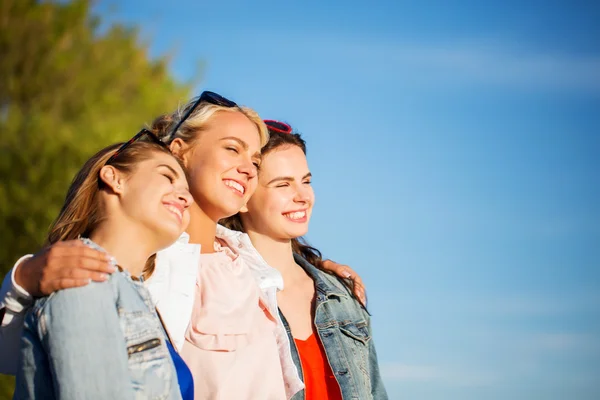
x=198, y=121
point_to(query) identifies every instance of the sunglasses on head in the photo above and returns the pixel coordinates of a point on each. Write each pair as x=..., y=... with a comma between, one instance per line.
x=140, y=134
x=205, y=97
x=278, y=126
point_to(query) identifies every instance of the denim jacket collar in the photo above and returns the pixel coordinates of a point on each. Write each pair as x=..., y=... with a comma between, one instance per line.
x=323, y=285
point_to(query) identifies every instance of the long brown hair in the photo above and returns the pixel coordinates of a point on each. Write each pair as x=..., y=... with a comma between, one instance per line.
x=83, y=211
x=299, y=245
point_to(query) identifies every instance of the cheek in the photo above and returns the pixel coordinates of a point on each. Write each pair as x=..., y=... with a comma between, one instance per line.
x=312, y=198
x=277, y=204
x=186, y=219
x=251, y=188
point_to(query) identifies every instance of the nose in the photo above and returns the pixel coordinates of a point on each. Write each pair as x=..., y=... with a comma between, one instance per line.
x=248, y=168
x=185, y=197
x=303, y=194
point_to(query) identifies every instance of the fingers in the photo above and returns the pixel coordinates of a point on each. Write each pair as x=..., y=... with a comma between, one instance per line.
x=68, y=283
x=76, y=248
x=346, y=272
x=82, y=274
x=71, y=264
x=70, y=278
x=360, y=293
x=74, y=254
x=86, y=263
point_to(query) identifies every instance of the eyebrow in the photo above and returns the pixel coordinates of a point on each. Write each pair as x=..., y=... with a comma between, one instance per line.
x=288, y=178
x=244, y=145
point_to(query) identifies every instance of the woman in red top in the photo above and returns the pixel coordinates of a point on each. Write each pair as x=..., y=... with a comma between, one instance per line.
x=329, y=328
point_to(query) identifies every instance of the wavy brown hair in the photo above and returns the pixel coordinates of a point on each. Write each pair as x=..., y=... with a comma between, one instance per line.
x=83, y=209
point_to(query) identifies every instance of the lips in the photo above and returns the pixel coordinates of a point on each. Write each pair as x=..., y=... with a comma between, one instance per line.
x=175, y=209
x=235, y=186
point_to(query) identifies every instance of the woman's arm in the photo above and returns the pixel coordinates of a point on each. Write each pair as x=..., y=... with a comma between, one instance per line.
x=14, y=303
x=80, y=331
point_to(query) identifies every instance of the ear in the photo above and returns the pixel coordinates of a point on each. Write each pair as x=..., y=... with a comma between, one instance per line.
x=244, y=208
x=178, y=147
x=113, y=178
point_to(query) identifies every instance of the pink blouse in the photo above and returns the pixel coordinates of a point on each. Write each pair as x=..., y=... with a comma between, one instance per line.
x=230, y=344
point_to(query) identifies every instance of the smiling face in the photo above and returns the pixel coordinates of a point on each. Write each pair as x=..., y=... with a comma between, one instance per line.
x=282, y=204
x=222, y=164
x=156, y=196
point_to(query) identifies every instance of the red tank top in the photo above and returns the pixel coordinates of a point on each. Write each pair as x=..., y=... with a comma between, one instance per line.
x=319, y=381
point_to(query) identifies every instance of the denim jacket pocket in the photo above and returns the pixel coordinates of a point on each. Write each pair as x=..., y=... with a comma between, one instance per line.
x=358, y=331
x=149, y=362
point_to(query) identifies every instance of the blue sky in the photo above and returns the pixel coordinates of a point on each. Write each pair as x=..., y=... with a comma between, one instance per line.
x=455, y=148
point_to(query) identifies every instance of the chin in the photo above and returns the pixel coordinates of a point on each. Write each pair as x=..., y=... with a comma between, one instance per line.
x=296, y=233
x=230, y=208
x=167, y=235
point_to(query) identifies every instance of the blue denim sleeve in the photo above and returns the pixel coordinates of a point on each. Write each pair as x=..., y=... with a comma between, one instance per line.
x=81, y=333
x=377, y=389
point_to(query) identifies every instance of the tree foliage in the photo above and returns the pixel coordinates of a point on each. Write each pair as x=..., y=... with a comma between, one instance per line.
x=67, y=89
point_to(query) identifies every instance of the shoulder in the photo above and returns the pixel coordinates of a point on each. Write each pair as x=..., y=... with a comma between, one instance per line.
x=347, y=301
x=94, y=293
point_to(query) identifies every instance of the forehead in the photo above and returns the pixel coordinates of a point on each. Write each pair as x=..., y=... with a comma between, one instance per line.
x=160, y=158
x=232, y=124
x=284, y=161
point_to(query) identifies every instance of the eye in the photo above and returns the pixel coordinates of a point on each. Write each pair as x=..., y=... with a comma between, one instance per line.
x=171, y=178
x=307, y=182
x=284, y=184
x=256, y=164
x=230, y=148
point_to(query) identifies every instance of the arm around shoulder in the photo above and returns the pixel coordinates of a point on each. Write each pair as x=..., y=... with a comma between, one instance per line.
x=14, y=304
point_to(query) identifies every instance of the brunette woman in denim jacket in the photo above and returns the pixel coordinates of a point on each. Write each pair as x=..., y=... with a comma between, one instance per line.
x=329, y=330
x=105, y=340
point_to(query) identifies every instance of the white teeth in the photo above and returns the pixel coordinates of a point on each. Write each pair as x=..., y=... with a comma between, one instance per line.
x=175, y=210
x=235, y=185
x=296, y=215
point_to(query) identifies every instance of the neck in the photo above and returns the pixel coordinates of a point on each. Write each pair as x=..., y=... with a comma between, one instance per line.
x=202, y=229
x=278, y=254
x=116, y=239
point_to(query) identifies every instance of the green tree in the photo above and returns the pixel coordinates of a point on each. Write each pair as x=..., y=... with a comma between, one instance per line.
x=67, y=89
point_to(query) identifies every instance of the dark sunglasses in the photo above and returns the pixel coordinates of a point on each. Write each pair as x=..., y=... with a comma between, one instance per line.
x=139, y=135
x=208, y=97
x=277, y=126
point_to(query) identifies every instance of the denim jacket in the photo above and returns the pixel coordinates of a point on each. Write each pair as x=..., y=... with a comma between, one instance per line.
x=100, y=341
x=345, y=331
